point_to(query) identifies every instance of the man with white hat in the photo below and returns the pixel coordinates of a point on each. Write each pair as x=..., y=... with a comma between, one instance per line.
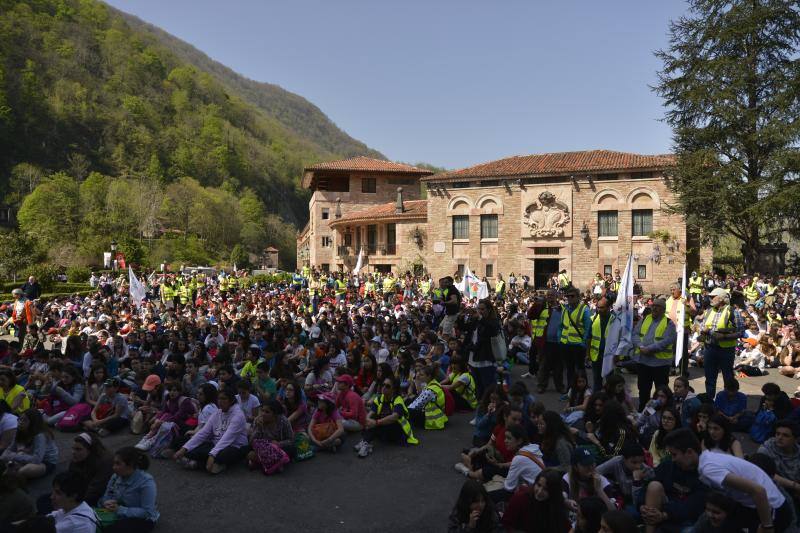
x=722, y=325
x=23, y=314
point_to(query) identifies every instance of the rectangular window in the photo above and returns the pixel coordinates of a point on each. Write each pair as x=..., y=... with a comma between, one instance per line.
x=460, y=269
x=461, y=226
x=326, y=213
x=368, y=185
x=391, y=239
x=489, y=271
x=546, y=250
x=641, y=272
x=642, y=222
x=326, y=242
x=348, y=239
x=325, y=267
x=488, y=226
x=372, y=238
x=607, y=270
x=606, y=223
x=641, y=175
x=461, y=184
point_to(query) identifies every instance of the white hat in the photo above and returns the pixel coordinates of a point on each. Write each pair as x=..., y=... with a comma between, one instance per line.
x=719, y=291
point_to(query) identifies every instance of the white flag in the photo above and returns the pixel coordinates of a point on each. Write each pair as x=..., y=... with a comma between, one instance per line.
x=359, y=262
x=136, y=290
x=618, y=340
x=469, y=280
x=681, y=318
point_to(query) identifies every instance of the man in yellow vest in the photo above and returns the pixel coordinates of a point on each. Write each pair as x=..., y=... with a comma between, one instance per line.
x=695, y=287
x=690, y=311
x=425, y=286
x=751, y=293
x=340, y=288
x=597, y=341
x=427, y=409
x=654, y=345
x=722, y=326
x=545, y=337
x=388, y=286
x=563, y=280
x=576, y=326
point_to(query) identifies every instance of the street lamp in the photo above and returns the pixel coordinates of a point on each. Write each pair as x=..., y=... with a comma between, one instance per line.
x=113, y=256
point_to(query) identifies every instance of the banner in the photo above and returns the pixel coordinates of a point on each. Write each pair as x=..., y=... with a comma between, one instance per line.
x=472, y=287
x=136, y=290
x=107, y=259
x=618, y=341
x=681, y=319
x=360, y=261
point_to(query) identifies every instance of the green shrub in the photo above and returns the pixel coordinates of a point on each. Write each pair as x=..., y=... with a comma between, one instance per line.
x=78, y=274
x=45, y=274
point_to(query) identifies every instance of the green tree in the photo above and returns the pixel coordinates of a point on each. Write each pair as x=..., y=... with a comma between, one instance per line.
x=51, y=212
x=239, y=257
x=731, y=83
x=17, y=253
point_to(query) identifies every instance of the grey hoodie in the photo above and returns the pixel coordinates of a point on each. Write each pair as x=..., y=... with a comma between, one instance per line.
x=788, y=465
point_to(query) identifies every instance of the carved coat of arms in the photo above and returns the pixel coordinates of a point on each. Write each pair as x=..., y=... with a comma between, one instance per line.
x=546, y=217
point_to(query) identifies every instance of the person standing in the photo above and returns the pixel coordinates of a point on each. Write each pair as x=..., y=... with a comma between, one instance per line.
x=481, y=359
x=653, y=341
x=722, y=326
x=451, y=297
x=695, y=287
x=674, y=302
x=32, y=289
x=23, y=314
x=576, y=326
x=547, y=331
x=597, y=341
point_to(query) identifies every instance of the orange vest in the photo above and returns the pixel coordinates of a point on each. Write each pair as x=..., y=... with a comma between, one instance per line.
x=28, y=312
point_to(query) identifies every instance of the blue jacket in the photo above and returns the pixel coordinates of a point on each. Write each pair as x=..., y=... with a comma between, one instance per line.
x=136, y=495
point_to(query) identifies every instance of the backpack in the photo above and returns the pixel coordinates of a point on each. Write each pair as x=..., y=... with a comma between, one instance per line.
x=74, y=416
x=270, y=456
x=449, y=402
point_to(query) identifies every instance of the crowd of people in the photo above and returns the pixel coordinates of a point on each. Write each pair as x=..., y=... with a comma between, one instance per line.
x=210, y=370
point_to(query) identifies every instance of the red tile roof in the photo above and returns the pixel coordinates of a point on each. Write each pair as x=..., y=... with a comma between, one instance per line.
x=413, y=209
x=558, y=163
x=367, y=164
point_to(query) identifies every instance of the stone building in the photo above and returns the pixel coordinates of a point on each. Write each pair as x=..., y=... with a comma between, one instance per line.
x=535, y=215
x=342, y=188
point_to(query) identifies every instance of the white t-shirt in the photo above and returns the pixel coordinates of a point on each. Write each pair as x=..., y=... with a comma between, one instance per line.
x=79, y=520
x=249, y=407
x=715, y=466
x=7, y=422
x=523, y=468
x=205, y=414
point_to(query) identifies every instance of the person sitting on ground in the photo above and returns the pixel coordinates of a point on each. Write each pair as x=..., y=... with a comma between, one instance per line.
x=111, y=412
x=613, y=431
x=12, y=393
x=493, y=458
x=427, y=410
x=63, y=394
x=91, y=460
x=525, y=465
x=760, y=504
x=590, y=512
x=718, y=516
x=350, y=404
x=686, y=401
x=629, y=473
x=461, y=385
x=761, y=428
x=387, y=420
x=494, y=398
x=221, y=442
x=540, y=508
x=246, y=401
x=15, y=503
x=583, y=480
x=732, y=405
x=131, y=494
x=719, y=437
x=294, y=402
x=326, y=429
x=618, y=522
x=176, y=409
x=34, y=452
x=650, y=418
x=474, y=511
x=577, y=398
x=271, y=426
x=555, y=441
x=72, y=514
x=670, y=420
x=8, y=426
x=784, y=450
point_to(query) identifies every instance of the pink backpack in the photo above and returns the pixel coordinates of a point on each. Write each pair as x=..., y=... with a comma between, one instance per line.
x=270, y=457
x=74, y=416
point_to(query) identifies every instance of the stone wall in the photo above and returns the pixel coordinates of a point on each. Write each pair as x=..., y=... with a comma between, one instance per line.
x=573, y=205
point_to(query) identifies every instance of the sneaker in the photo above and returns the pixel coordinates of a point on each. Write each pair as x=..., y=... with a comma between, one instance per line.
x=365, y=450
x=564, y=397
x=526, y=375
x=146, y=443
x=359, y=445
x=217, y=468
x=185, y=462
x=473, y=421
x=461, y=468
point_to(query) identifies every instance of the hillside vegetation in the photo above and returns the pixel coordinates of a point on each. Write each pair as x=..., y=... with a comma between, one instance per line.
x=110, y=128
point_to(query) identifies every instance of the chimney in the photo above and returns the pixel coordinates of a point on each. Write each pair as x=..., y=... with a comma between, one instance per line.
x=398, y=207
x=338, y=213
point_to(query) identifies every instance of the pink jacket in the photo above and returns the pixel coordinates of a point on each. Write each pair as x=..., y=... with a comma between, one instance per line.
x=351, y=406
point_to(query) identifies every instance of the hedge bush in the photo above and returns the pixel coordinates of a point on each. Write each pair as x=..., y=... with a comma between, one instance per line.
x=45, y=274
x=78, y=274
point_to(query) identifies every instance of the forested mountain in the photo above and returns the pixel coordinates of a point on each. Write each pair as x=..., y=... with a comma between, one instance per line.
x=112, y=128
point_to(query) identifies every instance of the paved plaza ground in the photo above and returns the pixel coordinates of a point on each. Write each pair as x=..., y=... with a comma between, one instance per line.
x=394, y=490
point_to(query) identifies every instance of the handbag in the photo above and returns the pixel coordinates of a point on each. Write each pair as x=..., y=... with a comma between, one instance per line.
x=137, y=423
x=303, y=449
x=499, y=347
x=324, y=430
x=270, y=456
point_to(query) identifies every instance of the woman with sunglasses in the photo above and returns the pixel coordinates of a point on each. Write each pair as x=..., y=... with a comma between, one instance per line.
x=387, y=418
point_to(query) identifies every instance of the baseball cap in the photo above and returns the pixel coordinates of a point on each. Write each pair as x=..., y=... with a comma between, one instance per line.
x=719, y=291
x=345, y=378
x=151, y=382
x=582, y=456
x=112, y=382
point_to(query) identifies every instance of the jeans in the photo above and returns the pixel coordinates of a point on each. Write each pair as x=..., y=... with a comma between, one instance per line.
x=226, y=456
x=521, y=357
x=647, y=376
x=716, y=359
x=573, y=356
x=550, y=363
x=485, y=377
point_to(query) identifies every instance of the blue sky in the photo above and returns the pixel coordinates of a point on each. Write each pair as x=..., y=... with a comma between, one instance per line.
x=453, y=83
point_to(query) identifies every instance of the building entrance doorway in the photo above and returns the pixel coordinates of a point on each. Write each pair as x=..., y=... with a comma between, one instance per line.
x=543, y=270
